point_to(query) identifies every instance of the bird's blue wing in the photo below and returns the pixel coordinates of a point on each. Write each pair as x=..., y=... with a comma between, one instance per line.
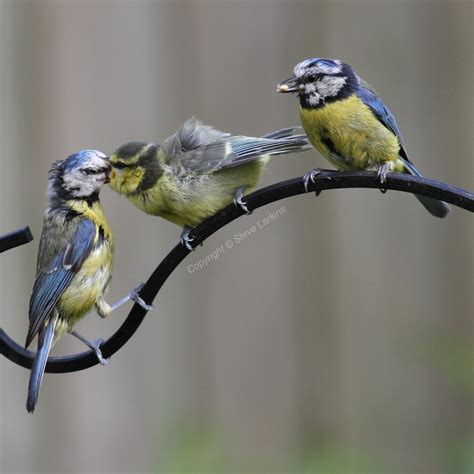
x=370, y=98
x=51, y=281
x=375, y=104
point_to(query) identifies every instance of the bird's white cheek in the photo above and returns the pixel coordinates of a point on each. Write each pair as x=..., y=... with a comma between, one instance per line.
x=330, y=86
x=312, y=95
x=74, y=184
x=100, y=181
x=70, y=182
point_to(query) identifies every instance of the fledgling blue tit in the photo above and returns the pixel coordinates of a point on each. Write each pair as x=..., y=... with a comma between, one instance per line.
x=75, y=259
x=196, y=171
x=347, y=122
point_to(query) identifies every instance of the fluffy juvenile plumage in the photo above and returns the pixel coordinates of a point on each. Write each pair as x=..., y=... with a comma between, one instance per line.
x=196, y=171
x=347, y=122
x=75, y=256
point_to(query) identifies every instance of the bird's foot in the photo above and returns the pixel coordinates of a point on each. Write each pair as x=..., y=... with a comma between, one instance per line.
x=382, y=172
x=134, y=296
x=186, y=240
x=239, y=200
x=94, y=345
x=309, y=176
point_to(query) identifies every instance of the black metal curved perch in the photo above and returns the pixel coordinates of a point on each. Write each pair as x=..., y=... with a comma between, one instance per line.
x=323, y=181
x=15, y=239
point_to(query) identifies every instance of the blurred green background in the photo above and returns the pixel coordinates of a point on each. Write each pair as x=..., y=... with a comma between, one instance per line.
x=338, y=338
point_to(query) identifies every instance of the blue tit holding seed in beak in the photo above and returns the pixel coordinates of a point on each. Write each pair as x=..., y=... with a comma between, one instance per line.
x=348, y=123
x=196, y=171
x=75, y=259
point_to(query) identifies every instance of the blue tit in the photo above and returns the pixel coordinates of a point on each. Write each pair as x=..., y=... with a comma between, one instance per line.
x=75, y=258
x=196, y=171
x=347, y=122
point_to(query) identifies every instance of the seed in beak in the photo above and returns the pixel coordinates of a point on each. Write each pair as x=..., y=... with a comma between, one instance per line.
x=282, y=88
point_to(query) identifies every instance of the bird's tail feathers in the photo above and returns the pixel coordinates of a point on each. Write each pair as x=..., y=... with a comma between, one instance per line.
x=285, y=141
x=291, y=144
x=283, y=133
x=410, y=168
x=245, y=149
x=45, y=343
x=435, y=207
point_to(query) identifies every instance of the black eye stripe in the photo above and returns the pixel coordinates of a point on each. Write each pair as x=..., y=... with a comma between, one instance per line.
x=90, y=171
x=120, y=166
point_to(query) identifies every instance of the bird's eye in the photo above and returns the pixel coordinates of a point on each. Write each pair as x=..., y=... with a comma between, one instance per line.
x=119, y=165
x=90, y=171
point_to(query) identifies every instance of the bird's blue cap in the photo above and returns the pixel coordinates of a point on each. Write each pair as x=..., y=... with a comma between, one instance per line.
x=76, y=159
x=329, y=66
x=321, y=61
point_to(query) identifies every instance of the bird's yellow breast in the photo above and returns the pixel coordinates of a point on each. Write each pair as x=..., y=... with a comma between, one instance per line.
x=188, y=200
x=90, y=282
x=95, y=213
x=350, y=129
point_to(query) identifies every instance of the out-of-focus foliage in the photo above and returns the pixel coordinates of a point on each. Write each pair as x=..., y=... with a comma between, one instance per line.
x=452, y=355
x=198, y=451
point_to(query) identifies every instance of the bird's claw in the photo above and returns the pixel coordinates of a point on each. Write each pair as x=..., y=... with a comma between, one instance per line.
x=309, y=176
x=98, y=353
x=186, y=240
x=239, y=201
x=94, y=345
x=382, y=175
x=134, y=296
x=382, y=172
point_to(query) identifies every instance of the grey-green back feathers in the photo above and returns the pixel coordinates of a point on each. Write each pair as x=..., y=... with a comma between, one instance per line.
x=201, y=149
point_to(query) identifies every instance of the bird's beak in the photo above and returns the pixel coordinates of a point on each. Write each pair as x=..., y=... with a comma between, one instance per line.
x=289, y=85
x=107, y=171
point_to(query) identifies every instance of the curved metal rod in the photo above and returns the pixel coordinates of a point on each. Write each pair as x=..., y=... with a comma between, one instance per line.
x=323, y=181
x=16, y=238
